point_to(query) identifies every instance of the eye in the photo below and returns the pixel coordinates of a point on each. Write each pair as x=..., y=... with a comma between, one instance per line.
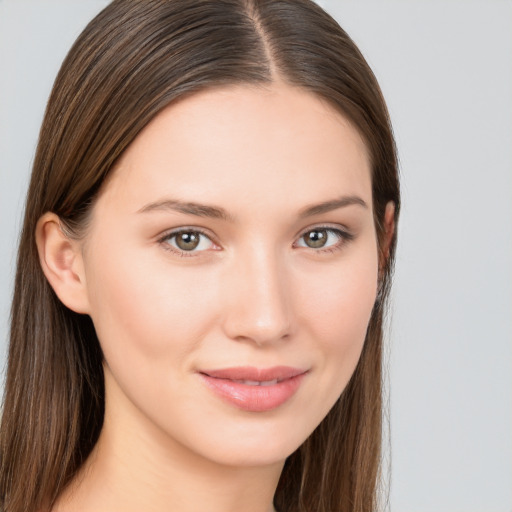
x=187, y=241
x=324, y=238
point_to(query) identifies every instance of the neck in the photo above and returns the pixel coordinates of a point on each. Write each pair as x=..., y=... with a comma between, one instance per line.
x=135, y=467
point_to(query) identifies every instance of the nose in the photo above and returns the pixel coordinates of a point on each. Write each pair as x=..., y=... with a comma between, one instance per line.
x=258, y=299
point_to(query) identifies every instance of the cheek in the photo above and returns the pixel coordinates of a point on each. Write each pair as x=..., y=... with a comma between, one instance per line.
x=341, y=307
x=143, y=306
x=339, y=313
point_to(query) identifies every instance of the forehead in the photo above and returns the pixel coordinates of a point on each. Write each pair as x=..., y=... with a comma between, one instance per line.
x=245, y=145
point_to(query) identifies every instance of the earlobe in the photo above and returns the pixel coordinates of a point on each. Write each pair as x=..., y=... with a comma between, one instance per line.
x=62, y=263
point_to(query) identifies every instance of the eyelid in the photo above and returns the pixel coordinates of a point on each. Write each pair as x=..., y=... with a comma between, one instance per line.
x=345, y=231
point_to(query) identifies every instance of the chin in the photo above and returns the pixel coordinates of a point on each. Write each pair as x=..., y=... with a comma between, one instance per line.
x=262, y=451
x=251, y=439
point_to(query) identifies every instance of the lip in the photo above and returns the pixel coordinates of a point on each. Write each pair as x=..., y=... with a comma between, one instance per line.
x=254, y=389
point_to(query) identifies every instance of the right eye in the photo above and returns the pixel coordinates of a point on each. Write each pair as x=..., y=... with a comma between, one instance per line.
x=186, y=242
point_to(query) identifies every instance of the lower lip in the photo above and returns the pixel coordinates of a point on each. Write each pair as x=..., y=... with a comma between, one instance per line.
x=254, y=398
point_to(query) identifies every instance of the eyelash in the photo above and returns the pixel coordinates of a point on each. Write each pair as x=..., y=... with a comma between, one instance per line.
x=344, y=237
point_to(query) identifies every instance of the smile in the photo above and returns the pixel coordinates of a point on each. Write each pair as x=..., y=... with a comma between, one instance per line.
x=252, y=389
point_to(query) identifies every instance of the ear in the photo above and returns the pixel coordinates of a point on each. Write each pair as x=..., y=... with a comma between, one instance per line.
x=389, y=231
x=62, y=263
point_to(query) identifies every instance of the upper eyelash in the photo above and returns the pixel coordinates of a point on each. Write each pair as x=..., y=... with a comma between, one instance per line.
x=342, y=234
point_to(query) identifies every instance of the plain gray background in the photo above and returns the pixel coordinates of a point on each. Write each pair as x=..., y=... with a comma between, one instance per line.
x=446, y=70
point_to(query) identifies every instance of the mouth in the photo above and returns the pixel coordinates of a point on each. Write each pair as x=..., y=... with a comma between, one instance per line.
x=254, y=389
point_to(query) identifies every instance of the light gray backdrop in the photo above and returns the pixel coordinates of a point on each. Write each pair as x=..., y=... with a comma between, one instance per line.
x=446, y=71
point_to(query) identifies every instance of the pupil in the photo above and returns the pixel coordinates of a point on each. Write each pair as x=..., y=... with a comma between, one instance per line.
x=187, y=241
x=316, y=238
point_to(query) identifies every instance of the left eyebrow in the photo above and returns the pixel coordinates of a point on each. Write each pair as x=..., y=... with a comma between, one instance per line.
x=334, y=204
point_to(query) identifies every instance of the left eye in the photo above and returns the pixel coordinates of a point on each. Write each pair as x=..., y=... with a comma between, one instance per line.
x=321, y=238
x=188, y=241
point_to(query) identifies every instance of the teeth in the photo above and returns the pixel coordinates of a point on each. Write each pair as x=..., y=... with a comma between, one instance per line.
x=257, y=382
x=249, y=382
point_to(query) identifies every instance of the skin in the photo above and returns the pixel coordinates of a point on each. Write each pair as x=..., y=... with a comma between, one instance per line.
x=252, y=293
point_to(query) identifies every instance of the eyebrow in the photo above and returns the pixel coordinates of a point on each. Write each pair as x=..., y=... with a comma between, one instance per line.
x=189, y=208
x=334, y=204
x=216, y=212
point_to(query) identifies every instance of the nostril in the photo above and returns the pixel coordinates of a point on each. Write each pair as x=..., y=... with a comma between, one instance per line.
x=246, y=328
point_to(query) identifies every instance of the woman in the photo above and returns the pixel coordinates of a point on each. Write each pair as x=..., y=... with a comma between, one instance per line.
x=203, y=269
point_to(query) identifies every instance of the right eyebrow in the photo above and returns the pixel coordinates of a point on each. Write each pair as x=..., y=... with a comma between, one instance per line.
x=188, y=208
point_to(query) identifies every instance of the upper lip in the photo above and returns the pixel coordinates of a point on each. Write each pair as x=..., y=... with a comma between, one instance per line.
x=252, y=373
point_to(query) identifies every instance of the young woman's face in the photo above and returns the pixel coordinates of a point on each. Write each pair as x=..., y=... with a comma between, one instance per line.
x=231, y=269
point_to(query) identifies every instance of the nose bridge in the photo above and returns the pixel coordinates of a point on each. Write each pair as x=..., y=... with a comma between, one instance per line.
x=259, y=307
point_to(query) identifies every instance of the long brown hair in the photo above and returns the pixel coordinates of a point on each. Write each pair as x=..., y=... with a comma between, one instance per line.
x=130, y=62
